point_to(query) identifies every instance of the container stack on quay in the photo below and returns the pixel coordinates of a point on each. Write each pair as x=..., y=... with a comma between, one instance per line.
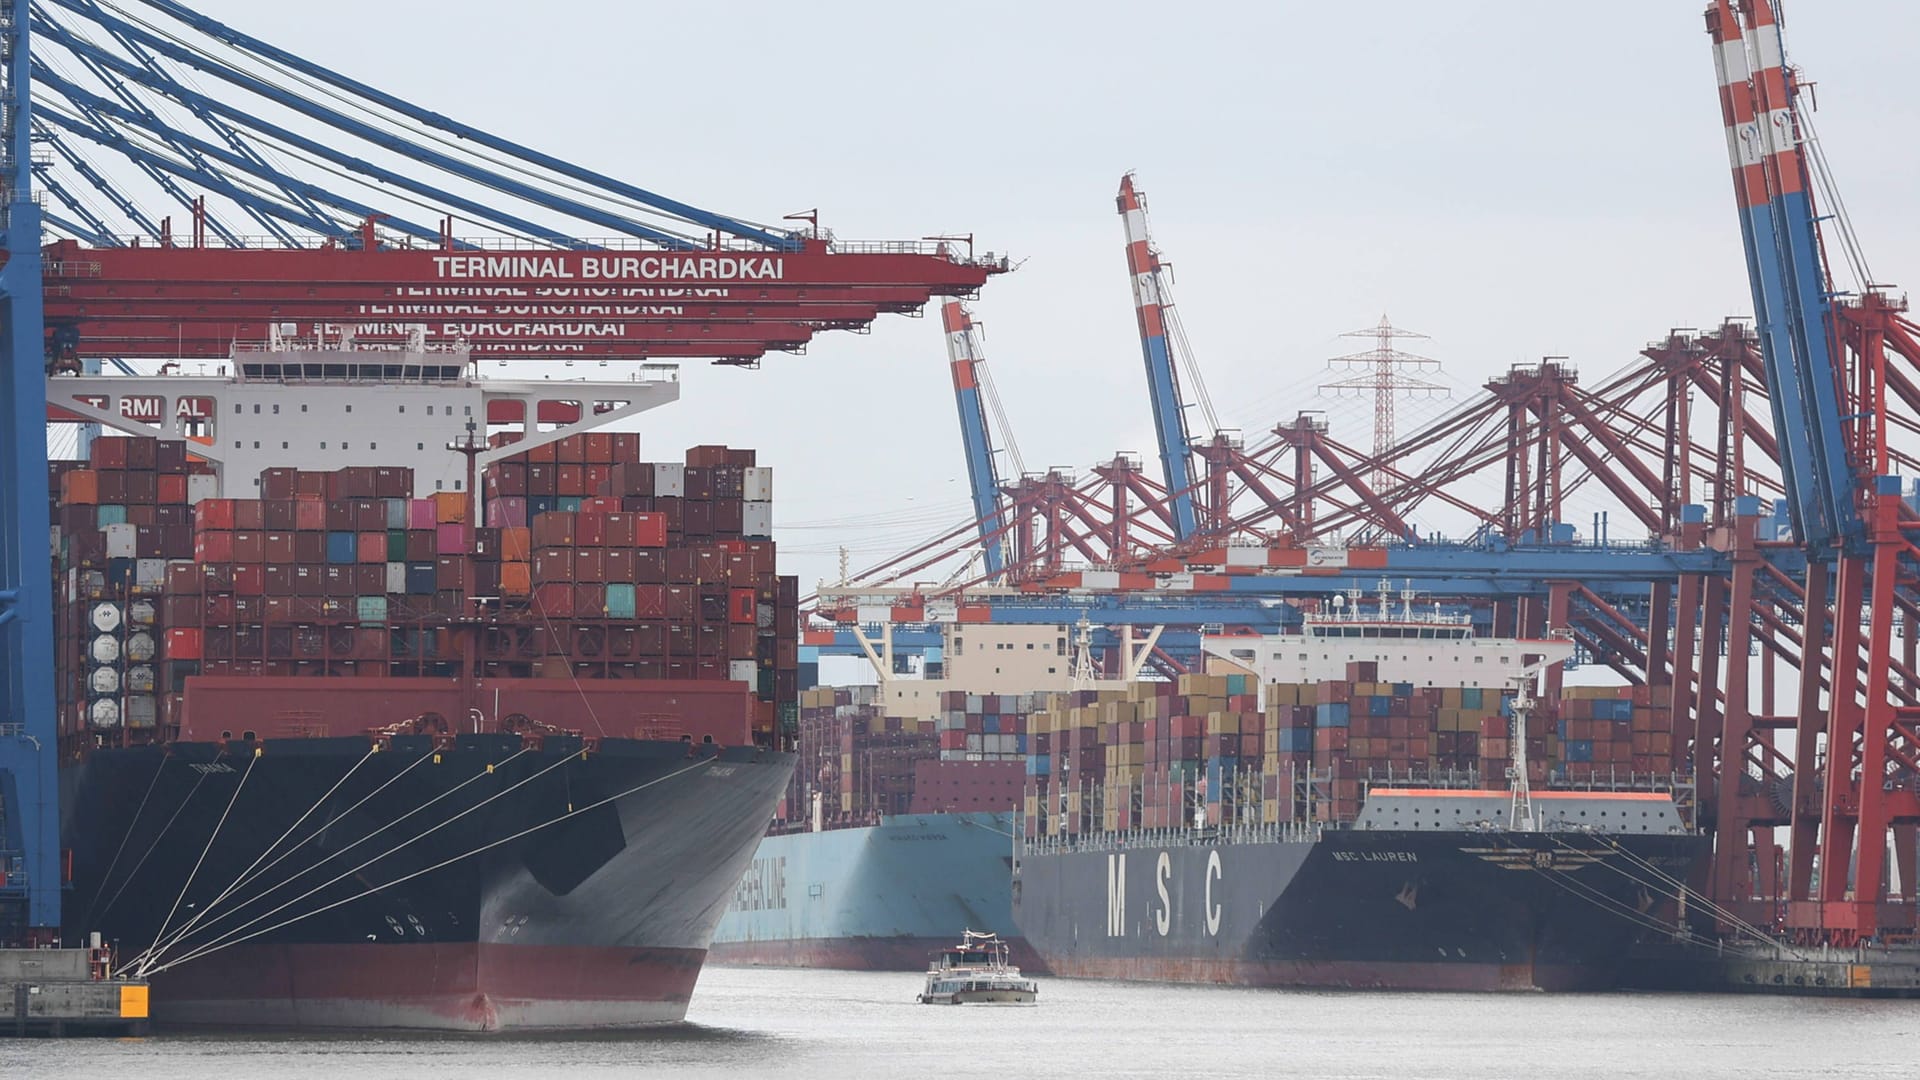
x=584, y=570
x=1204, y=748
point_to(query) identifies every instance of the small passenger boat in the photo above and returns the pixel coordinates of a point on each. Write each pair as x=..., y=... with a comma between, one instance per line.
x=976, y=972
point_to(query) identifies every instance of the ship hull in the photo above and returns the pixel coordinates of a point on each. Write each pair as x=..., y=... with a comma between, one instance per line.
x=1353, y=910
x=877, y=898
x=480, y=884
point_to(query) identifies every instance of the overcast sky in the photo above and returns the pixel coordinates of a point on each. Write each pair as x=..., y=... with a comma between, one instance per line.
x=1513, y=179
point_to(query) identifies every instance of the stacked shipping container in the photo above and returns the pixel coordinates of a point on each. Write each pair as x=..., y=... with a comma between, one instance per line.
x=1198, y=750
x=345, y=574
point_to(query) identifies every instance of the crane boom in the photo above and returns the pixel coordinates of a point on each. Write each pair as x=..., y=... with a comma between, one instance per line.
x=983, y=479
x=1786, y=268
x=1163, y=382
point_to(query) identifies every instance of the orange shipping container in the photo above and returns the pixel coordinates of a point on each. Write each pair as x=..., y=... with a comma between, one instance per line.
x=515, y=579
x=516, y=544
x=450, y=507
x=80, y=487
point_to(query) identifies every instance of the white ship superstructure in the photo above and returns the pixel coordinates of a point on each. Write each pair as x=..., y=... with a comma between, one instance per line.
x=323, y=405
x=1409, y=645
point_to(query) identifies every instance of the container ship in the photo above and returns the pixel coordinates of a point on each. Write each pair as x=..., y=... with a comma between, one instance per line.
x=898, y=830
x=343, y=745
x=1306, y=824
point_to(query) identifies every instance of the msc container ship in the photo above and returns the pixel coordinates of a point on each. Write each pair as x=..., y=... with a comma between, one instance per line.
x=344, y=746
x=1437, y=833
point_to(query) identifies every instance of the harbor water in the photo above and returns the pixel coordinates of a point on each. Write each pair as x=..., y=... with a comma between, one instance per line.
x=830, y=1025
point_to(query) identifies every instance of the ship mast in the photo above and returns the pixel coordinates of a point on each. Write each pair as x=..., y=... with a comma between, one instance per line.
x=1522, y=817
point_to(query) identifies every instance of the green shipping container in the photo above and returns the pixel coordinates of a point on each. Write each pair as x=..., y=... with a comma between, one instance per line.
x=620, y=601
x=373, y=609
x=396, y=544
x=104, y=515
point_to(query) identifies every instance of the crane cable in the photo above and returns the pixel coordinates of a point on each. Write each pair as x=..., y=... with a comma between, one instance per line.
x=211, y=948
x=140, y=961
x=247, y=874
x=404, y=843
x=349, y=847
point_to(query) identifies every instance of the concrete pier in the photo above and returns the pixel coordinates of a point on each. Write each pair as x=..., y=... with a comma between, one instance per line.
x=60, y=992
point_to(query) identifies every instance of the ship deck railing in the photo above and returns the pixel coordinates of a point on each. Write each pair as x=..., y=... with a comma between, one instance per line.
x=1285, y=832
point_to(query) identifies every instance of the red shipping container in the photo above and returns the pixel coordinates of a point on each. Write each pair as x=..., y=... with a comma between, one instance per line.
x=741, y=606
x=554, y=600
x=649, y=601
x=589, y=601
x=250, y=579
x=589, y=564
x=372, y=548
x=679, y=601
x=589, y=530
x=553, y=564
x=649, y=530
x=213, y=547
x=173, y=489
x=249, y=514
x=183, y=643
x=556, y=528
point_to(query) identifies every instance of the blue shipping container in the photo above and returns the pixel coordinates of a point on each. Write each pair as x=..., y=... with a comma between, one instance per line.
x=1378, y=705
x=420, y=579
x=396, y=513
x=1578, y=749
x=105, y=515
x=1331, y=714
x=343, y=548
x=620, y=601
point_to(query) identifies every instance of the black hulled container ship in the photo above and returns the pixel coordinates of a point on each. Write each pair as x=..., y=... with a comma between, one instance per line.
x=1437, y=833
x=344, y=749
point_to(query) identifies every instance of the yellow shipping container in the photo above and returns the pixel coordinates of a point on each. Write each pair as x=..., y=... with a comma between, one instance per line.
x=1222, y=722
